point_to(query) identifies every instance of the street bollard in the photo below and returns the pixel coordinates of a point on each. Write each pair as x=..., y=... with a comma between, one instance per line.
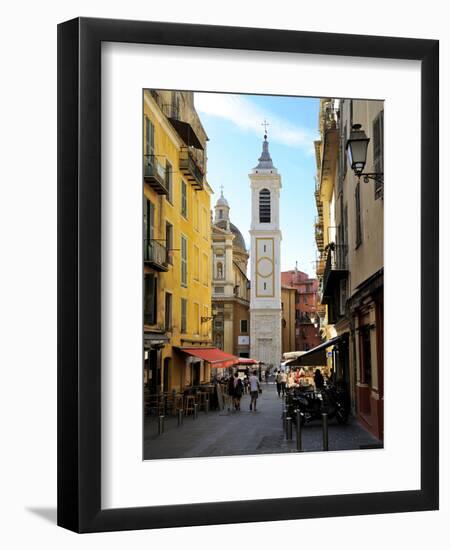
x=195, y=411
x=180, y=417
x=289, y=428
x=283, y=417
x=161, y=425
x=325, y=431
x=206, y=406
x=299, y=429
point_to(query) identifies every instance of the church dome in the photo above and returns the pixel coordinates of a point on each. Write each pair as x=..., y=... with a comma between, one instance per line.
x=222, y=201
x=238, y=241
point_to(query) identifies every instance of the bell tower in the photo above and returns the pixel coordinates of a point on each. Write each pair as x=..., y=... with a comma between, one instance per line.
x=265, y=297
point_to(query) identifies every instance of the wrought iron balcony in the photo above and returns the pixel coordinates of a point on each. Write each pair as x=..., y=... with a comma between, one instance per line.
x=336, y=268
x=155, y=174
x=156, y=255
x=190, y=168
x=318, y=231
x=320, y=267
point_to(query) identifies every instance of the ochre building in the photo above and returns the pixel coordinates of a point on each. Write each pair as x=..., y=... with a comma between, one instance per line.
x=176, y=242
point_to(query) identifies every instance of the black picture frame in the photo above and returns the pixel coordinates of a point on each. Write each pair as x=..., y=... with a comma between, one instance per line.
x=79, y=270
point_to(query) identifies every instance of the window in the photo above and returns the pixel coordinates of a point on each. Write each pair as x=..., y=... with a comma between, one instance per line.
x=196, y=212
x=205, y=278
x=149, y=219
x=196, y=263
x=244, y=325
x=149, y=222
x=183, y=315
x=264, y=206
x=305, y=299
x=197, y=319
x=184, y=272
x=183, y=199
x=342, y=296
x=220, y=214
x=169, y=171
x=205, y=224
x=169, y=242
x=366, y=356
x=149, y=137
x=205, y=325
x=378, y=145
x=219, y=289
x=358, y=216
x=150, y=288
x=168, y=312
x=175, y=105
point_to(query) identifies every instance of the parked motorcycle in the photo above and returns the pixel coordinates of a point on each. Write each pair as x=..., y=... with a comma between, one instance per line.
x=312, y=404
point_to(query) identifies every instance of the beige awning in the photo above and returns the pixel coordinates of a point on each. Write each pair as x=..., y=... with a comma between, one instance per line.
x=315, y=357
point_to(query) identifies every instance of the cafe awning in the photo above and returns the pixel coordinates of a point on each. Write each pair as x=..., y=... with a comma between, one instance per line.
x=314, y=357
x=247, y=361
x=216, y=357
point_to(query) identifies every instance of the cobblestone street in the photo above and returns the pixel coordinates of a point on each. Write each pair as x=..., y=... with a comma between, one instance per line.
x=223, y=433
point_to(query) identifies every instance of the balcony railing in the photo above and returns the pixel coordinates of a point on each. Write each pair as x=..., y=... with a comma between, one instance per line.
x=155, y=174
x=318, y=232
x=190, y=168
x=320, y=266
x=156, y=255
x=336, y=267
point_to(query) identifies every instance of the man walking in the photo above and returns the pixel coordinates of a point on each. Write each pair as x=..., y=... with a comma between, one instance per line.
x=254, y=390
x=278, y=381
x=283, y=383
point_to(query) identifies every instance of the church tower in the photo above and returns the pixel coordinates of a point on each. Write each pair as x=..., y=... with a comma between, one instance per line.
x=265, y=298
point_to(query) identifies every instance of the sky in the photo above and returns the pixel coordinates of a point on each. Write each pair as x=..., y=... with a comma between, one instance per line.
x=233, y=124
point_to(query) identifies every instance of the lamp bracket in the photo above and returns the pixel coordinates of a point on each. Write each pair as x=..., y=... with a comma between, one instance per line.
x=376, y=176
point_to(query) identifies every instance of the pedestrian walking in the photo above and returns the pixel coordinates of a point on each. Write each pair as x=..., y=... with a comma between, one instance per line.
x=267, y=375
x=246, y=383
x=283, y=383
x=238, y=390
x=318, y=380
x=278, y=382
x=254, y=390
x=230, y=392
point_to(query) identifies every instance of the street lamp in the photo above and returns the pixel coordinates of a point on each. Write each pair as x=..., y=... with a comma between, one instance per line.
x=356, y=147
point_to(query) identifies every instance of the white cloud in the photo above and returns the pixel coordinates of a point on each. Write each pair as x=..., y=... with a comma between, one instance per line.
x=242, y=112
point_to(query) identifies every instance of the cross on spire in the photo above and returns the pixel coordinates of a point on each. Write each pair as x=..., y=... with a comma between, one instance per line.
x=265, y=124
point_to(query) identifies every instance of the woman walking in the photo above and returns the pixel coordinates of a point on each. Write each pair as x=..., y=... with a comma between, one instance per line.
x=238, y=389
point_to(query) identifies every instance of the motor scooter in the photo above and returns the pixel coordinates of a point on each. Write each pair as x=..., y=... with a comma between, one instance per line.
x=313, y=403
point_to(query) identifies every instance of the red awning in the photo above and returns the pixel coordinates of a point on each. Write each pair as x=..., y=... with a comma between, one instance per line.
x=247, y=361
x=218, y=358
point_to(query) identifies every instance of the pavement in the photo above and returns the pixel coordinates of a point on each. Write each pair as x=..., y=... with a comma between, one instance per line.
x=245, y=432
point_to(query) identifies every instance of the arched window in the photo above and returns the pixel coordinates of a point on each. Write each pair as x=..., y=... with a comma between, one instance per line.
x=220, y=214
x=264, y=206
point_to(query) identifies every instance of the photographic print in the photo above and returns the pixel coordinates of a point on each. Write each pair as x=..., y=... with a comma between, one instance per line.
x=221, y=261
x=263, y=274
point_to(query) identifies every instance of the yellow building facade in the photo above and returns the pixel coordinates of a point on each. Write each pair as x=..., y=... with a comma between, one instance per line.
x=177, y=242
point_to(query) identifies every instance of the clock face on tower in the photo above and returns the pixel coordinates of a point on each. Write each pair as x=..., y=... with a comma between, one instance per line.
x=264, y=267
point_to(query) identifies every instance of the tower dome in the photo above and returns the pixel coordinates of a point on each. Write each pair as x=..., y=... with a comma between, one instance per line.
x=222, y=209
